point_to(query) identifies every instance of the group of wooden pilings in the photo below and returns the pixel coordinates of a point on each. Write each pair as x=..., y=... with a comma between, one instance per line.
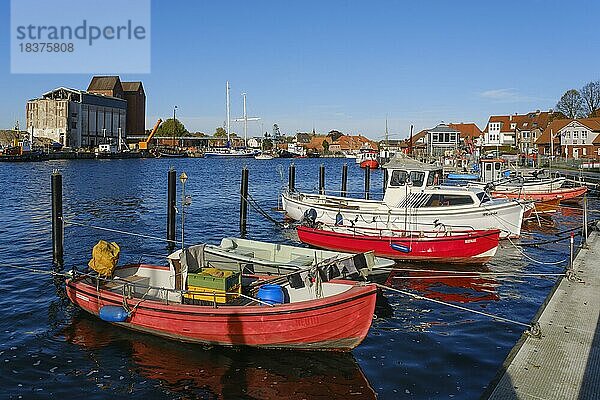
x=344, y=186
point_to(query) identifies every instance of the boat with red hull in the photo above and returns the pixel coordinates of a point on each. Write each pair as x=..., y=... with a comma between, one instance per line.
x=338, y=320
x=464, y=247
x=564, y=194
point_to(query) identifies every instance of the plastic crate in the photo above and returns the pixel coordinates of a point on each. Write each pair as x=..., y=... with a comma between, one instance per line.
x=212, y=295
x=208, y=279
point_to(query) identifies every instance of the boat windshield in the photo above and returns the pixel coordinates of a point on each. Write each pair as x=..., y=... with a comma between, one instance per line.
x=417, y=178
x=434, y=178
x=440, y=200
x=398, y=177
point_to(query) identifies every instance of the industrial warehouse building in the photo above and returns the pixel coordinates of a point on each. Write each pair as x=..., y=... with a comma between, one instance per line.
x=107, y=111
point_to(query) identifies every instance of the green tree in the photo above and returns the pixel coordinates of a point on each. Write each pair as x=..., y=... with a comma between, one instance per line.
x=571, y=104
x=325, y=146
x=171, y=127
x=220, y=133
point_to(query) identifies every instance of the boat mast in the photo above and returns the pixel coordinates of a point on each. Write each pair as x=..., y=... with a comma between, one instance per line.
x=228, y=116
x=245, y=122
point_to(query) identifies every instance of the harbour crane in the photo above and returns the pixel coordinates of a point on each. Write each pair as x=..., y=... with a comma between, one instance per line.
x=143, y=145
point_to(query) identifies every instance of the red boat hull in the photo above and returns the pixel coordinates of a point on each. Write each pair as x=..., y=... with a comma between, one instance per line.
x=373, y=164
x=472, y=247
x=563, y=194
x=336, y=323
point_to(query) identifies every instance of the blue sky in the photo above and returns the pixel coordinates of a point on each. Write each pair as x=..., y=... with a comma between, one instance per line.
x=348, y=64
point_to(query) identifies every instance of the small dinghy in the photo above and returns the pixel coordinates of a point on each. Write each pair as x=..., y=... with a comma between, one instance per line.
x=307, y=309
x=441, y=246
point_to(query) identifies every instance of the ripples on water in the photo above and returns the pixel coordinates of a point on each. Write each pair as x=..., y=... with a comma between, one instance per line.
x=416, y=349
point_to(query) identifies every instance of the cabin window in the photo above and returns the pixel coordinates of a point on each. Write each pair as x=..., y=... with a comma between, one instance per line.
x=398, y=178
x=497, y=166
x=417, y=178
x=434, y=178
x=440, y=200
x=488, y=167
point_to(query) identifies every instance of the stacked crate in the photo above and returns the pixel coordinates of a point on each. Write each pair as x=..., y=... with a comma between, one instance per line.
x=212, y=285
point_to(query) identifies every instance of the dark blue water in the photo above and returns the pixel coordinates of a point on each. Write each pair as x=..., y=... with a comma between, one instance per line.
x=415, y=349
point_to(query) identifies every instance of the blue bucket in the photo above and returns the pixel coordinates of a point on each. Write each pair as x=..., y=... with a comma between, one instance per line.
x=272, y=294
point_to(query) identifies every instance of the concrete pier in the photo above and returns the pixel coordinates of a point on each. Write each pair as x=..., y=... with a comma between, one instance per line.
x=564, y=363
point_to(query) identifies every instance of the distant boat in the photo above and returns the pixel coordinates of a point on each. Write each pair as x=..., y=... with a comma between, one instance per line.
x=230, y=152
x=264, y=156
x=171, y=152
x=368, y=159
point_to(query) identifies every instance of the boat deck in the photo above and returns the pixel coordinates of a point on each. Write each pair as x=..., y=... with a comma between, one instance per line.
x=565, y=362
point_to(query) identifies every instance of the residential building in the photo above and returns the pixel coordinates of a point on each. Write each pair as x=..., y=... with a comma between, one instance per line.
x=518, y=130
x=573, y=138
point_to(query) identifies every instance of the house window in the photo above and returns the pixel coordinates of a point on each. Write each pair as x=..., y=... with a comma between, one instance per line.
x=584, y=135
x=434, y=137
x=584, y=151
x=575, y=134
x=568, y=134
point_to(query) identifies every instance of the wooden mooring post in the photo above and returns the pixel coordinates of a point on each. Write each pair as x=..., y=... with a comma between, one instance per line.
x=171, y=207
x=367, y=181
x=57, y=219
x=322, y=179
x=244, y=200
x=344, y=190
x=292, y=178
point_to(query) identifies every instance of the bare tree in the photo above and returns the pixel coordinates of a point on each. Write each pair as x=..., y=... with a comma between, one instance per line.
x=590, y=94
x=571, y=104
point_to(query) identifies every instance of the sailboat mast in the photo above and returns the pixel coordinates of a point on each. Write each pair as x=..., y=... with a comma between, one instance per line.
x=245, y=122
x=228, y=114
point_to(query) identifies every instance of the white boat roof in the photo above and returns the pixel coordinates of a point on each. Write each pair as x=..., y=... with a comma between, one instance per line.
x=401, y=161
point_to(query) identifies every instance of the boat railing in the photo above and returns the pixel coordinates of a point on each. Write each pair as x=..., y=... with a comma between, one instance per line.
x=128, y=289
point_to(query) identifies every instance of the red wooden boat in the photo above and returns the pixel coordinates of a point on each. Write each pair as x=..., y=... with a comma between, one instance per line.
x=465, y=246
x=563, y=194
x=338, y=320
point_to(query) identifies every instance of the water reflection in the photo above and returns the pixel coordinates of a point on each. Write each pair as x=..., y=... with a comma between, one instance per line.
x=439, y=282
x=200, y=372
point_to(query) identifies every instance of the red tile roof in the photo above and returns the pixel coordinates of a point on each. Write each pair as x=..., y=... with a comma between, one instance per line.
x=467, y=130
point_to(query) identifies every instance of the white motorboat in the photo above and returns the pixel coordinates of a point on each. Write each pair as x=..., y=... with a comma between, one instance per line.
x=413, y=201
x=263, y=156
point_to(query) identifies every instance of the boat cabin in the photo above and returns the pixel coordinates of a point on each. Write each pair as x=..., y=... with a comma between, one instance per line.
x=493, y=170
x=411, y=183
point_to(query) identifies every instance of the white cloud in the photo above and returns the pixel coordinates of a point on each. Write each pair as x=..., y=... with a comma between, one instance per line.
x=508, y=94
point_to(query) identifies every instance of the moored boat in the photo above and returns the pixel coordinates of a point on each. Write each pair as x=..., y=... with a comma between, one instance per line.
x=305, y=314
x=413, y=201
x=442, y=246
x=563, y=194
x=368, y=159
x=258, y=257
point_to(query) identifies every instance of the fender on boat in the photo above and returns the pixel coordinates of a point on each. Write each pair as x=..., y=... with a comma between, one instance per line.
x=399, y=247
x=113, y=314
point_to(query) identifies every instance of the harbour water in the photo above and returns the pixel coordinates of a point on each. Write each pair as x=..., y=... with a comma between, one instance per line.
x=415, y=349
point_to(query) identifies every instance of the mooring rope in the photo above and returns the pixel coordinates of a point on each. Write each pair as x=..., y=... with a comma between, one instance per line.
x=508, y=275
x=254, y=204
x=418, y=297
x=531, y=258
x=71, y=222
